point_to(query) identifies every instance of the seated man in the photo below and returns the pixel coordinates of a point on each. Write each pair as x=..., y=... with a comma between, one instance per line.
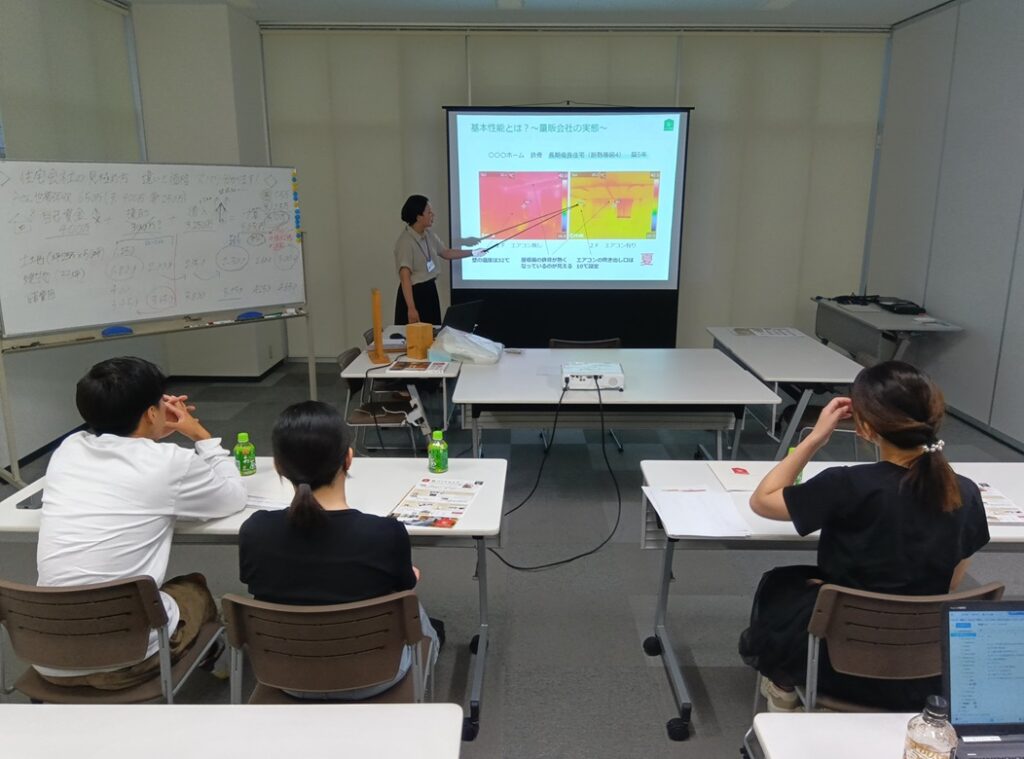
x=112, y=495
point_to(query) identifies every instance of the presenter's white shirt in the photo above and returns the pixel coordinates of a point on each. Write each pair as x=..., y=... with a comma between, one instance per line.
x=109, y=508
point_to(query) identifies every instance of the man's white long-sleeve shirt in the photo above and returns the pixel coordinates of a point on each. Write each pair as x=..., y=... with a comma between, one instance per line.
x=110, y=504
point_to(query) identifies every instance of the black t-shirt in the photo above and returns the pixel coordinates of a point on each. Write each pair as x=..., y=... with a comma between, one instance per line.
x=875, y=535
x=351, y=557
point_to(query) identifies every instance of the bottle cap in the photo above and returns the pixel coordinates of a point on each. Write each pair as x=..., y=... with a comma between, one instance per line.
x=937, y=706
x=438, y=435
x=243, y=437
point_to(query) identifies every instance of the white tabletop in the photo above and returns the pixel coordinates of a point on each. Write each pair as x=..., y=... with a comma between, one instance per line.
x=374, y=486
x=1006, y=477
x=886, y=321
x=220, y=731
x=831, y=736
x=665, y=376
x=791, y=358
x=362, y=367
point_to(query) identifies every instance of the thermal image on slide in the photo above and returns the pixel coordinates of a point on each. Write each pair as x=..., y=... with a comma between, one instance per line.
x=614, y=205
x=528, y=205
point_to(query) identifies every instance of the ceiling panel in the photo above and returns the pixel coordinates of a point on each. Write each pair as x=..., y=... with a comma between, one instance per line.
x=711, y=13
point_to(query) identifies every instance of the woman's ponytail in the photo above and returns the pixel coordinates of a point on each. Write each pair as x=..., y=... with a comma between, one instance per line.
x=305, y=512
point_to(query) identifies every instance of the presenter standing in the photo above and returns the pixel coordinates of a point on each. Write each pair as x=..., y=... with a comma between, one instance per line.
x=417, y=255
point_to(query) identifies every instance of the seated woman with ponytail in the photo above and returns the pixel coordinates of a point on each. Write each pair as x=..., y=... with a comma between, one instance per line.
x=320, y=550
x=905, y=525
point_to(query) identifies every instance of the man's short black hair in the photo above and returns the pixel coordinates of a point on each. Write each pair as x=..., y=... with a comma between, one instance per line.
x=414, y=207
x=114, y=394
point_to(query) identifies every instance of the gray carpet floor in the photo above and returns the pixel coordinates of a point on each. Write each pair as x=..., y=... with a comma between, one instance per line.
x=566, y=675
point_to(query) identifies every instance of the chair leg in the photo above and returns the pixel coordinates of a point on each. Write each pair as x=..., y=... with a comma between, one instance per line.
x=616, y=439
x=811, y=683
x=749, y=741
x=235, y=675
x=759, y=700
x=164, y=655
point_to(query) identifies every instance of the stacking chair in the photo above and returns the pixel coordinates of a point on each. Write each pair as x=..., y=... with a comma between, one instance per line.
x=318, y=649
x=104, y=626
x=378, y=411
x=612, y=342
x=880, y=635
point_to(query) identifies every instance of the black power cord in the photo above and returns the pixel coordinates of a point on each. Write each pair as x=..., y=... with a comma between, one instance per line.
x=618, y=498
x=369, y=387
x=544, y=457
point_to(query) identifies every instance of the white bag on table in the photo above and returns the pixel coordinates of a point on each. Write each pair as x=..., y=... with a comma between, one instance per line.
x=467, y=347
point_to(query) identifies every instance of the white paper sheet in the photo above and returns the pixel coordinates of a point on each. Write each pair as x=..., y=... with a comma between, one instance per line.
x=697, y=513
x=260, y=503
x=766, y=332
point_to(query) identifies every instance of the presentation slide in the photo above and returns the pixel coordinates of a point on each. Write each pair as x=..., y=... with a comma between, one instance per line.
x=567, y=199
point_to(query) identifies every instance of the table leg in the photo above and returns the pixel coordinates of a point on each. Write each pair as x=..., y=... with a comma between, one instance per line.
x=794, y=423
x=476, y=431
x=660, y=643
x=737, y=431
x=478, y=646
x=901, y=348
x=444, y=403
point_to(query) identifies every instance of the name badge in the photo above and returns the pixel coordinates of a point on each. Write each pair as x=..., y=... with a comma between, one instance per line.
x=431, y=266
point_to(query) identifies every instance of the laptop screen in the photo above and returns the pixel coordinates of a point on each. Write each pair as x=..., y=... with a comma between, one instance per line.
x=986, y=665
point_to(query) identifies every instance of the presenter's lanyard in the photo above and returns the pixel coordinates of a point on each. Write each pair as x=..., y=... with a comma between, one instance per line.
x=424, y=247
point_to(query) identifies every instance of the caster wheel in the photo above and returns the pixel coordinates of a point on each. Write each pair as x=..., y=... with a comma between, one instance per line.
x=474, y=644
x=470, y=729
x=678, y=730
x=652, y=646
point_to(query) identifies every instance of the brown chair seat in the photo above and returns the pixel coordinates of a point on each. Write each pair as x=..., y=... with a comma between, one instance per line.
x=36, y=688
x=326, y=648
x=101, y=626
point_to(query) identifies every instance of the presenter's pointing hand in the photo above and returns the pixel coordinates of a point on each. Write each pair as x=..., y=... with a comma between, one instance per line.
x=480, y=252
x=470, y=242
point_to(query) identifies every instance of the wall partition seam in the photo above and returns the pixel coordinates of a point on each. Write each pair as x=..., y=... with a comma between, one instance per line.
x=1006, y=309
x=942, y=156
x=133, y=74
x=876, y=162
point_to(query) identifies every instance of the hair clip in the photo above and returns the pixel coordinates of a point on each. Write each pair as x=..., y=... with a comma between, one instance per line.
x=935, y=447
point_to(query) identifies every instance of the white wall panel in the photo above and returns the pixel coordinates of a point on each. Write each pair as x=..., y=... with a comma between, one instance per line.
x=978, y=209
x=908, y=175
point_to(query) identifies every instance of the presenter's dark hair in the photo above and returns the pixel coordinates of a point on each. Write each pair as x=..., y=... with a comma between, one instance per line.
x=901, y=404
x=414, y=206
x=114, y=394
x=310, y=442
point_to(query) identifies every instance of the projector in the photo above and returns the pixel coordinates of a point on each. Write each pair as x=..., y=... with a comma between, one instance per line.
x=581, y=376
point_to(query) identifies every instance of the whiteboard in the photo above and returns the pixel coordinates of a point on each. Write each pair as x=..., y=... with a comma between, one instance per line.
x=93, y=244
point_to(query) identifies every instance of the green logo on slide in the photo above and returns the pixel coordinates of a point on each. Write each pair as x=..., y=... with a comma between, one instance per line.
x=669, y=125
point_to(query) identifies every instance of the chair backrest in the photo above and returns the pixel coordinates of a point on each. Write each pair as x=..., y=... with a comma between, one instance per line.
x=344, y=359
x=368, y=336
x=324, y=648
x=84, y=626
x=611, y=342
x=886, y=636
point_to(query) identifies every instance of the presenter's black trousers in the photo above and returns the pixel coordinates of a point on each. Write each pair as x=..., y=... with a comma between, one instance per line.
x=424, y=295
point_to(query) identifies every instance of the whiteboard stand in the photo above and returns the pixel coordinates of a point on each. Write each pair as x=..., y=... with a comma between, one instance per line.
x=142, y=329
x=5, y=407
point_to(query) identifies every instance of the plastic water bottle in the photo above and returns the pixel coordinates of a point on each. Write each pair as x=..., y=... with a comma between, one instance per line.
x=437, y=453
x=800, y=474
x=929, y=734
x=245, y=455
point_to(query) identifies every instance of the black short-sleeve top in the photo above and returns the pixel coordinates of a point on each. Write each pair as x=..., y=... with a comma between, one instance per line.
x=876, y=535
x=351, y=557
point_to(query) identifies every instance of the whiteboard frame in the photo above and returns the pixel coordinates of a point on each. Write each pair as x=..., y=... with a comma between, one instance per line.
x=171, y=323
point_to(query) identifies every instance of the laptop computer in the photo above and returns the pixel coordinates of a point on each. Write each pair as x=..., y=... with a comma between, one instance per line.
x=463, y=316
x=983, y=649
